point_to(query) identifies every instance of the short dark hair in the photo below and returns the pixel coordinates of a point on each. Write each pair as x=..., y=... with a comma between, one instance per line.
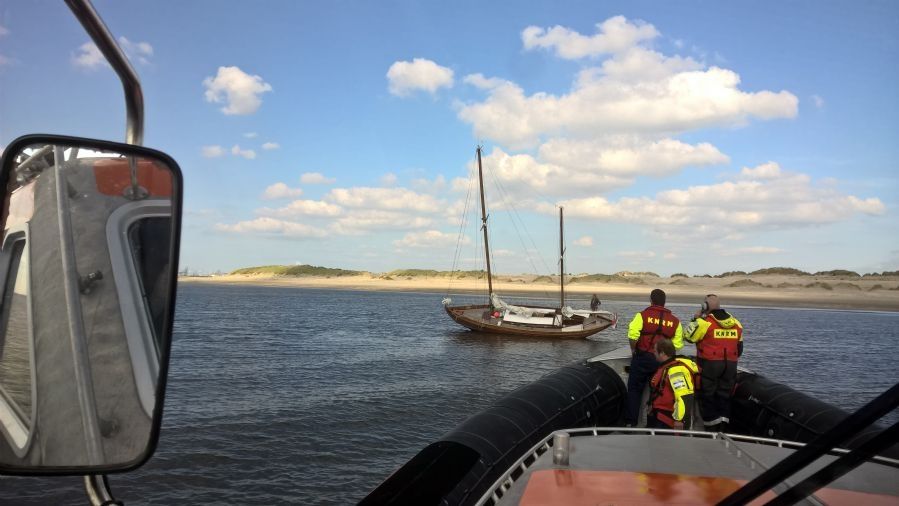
x=664, y=345
x=657, y=297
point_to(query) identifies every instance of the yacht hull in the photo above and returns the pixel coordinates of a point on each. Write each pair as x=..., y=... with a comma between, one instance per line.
x=478, y=318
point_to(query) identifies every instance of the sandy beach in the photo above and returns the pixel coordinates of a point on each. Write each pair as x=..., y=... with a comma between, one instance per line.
x=873, y=293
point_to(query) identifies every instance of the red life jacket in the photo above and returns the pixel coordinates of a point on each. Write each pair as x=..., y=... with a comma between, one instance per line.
x=658, y=322
x=661, y=395
x=720, y=343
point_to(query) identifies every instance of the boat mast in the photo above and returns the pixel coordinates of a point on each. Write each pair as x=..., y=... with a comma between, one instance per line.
x=561, y=258
x=484, y=227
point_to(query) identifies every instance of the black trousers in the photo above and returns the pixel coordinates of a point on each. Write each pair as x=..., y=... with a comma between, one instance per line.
x=716, y=385
x=643, y=366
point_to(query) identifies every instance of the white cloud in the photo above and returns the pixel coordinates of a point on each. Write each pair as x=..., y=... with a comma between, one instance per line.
x=584, y=241
x=251, y=135
x=637, y=255
x=430, y=239
x=362, y=221
x=750, y=250
x=588, y=168
x=388, y=179
x=479, y=81
x=818, y=101
x=303, y=208
x=613, y=35
x=635, y=91
x=436, y=185
x=420, y=74
x=630, y=156
x=281, y=191
x=139, y=51
x=5, y=60
x=249, y=154
x=770, y=170
x=315, y=178
x=240, y=91
x=88, y=55
x=271, y=226
x=213, y=151
x=761, y=198
x=3, y=31
x=270, y=146
x=393, y=199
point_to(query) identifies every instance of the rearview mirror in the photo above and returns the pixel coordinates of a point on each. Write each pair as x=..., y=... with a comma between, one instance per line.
x=88, y=259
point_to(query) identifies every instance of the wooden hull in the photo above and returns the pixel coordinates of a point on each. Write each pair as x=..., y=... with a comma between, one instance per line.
x=477, y=318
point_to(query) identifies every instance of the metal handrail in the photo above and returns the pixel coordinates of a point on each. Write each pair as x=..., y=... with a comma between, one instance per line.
x=505, y=481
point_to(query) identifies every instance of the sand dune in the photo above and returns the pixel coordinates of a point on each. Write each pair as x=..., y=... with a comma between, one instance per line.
x=878, y=293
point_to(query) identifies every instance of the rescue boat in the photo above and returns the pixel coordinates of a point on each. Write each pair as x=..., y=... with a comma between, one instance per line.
x=560, y=440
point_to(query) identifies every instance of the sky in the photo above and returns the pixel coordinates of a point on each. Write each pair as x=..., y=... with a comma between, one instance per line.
x=679, y=137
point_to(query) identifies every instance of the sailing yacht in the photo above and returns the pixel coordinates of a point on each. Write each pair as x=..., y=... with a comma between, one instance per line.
x=500, y=317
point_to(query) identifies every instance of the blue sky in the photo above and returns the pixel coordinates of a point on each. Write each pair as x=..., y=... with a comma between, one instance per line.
x=693, y=137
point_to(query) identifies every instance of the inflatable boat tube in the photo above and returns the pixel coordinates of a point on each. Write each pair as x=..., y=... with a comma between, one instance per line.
x=764, y=408
x=460, y=467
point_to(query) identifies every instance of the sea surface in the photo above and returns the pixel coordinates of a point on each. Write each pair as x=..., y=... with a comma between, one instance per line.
x=287, y=395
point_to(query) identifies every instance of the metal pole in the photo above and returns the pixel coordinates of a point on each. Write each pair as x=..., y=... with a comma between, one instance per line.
x=134, y=97
x=484, y=226
x=865, y=416
x=134, y=134
x=837, y=468
x=562, y=257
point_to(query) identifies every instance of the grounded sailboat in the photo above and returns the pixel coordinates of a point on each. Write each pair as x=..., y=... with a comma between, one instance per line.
x=499, y=317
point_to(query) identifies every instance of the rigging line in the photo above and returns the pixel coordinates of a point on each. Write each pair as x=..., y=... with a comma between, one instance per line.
x=516, y=215
x=462, y=224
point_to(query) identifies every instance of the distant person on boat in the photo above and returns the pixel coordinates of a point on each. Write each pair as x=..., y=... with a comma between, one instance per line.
x=719, y=344
x=671, y=389
x=648, y=326
x=594, y=303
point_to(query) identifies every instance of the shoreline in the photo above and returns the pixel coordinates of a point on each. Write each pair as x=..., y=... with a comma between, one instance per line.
x=812, y=292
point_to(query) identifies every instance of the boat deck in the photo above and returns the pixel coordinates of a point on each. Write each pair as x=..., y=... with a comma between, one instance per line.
x=643, y=466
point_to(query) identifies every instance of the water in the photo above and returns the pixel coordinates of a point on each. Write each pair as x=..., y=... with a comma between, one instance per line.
x=280, y=395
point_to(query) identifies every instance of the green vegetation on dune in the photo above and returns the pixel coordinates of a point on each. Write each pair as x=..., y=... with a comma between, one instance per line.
x=743, y=283
x=296, y=270
x=783, y=271
x=838, y=272
x=679, y=275
x=730, y=274
x=607, y=278
x=429, y=273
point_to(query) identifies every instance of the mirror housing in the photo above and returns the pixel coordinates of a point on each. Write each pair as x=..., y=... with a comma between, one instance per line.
x=88, y=265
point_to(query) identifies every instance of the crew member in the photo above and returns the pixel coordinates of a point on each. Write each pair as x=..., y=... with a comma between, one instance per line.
x=648, y=326
x=594, y=303
x=671, y=389
x=719, y=343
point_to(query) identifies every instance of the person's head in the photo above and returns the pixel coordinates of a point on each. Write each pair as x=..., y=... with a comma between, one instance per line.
x=664, y=349
x=657, y=297
x=712, y=303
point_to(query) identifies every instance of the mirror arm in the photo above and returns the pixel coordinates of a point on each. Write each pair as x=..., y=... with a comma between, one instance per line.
x=97, y=488
x=134, y=134
x=134, y=97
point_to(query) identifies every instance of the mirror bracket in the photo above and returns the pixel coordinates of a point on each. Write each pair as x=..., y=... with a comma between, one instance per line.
x=97, y=488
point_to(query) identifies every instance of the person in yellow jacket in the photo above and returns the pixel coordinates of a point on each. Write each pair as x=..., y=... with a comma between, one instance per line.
x=671, y=389
x=719, y=343
x=653, y=324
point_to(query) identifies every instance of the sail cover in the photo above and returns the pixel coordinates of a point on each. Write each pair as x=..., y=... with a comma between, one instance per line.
x=509, y=308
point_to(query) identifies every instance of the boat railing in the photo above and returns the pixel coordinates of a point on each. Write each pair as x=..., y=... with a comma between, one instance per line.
x=516, y=470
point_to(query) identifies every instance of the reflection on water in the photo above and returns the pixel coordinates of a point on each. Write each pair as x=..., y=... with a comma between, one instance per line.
x=315, y=396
